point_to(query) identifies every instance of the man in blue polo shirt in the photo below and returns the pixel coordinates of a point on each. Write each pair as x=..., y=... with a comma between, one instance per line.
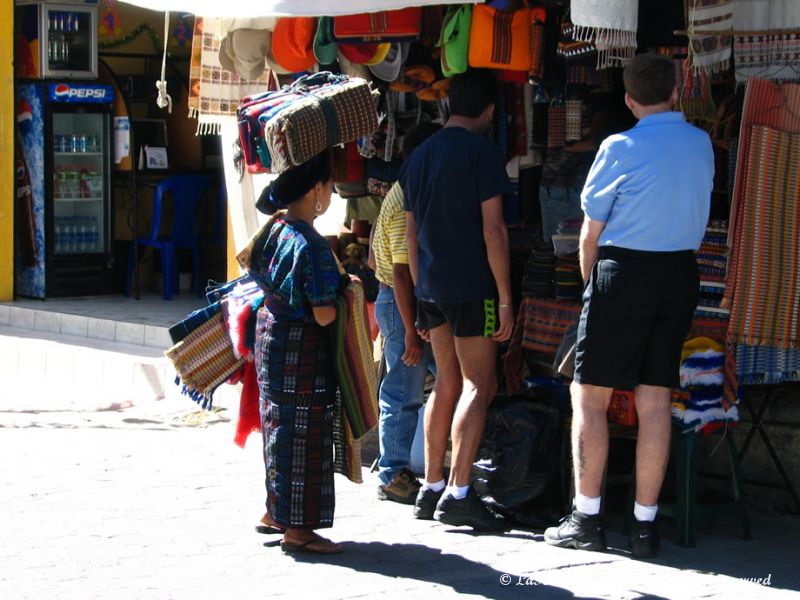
x=646, y=204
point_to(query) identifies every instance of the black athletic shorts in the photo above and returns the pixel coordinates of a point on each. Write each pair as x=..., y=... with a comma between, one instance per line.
x=467, y=319
x=637, y=311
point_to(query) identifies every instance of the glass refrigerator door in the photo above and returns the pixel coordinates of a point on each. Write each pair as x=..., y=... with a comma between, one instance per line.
x=69, y=44
x=80, y=190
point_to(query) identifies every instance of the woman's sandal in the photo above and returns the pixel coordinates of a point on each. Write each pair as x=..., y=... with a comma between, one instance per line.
x=318, y=545
x=268, y=527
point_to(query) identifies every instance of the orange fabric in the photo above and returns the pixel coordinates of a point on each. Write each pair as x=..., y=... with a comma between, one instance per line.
x=500, y=39
x=293, y=43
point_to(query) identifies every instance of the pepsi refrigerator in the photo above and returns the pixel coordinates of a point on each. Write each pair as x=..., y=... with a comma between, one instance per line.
x=64, y=208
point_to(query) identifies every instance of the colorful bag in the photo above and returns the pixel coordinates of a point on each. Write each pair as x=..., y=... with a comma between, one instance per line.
x=204, y=358
x=454, y=40
x=500, y=39
x=337, y=112
x=385, y=26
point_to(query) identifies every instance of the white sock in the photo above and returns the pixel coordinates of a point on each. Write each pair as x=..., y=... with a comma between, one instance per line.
x=645, y=513
x=457, y=491
x=436, y=486
x=586, y=505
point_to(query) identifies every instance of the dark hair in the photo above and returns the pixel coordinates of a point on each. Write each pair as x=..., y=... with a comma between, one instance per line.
x=472, y=92
x=290, y=186
x=649, y=78
x=417, y=135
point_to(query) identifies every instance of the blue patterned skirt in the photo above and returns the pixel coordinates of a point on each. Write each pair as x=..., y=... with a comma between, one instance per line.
x=297, y=388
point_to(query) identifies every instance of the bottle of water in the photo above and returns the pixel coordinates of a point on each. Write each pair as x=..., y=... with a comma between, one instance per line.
x=59, y=236
x=70, y=234
x=94, y=236
x=83, y=235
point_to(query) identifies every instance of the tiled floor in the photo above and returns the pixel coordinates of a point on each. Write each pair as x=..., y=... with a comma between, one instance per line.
x=150, y=310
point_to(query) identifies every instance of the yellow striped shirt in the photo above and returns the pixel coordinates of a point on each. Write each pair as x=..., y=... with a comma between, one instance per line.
x=389, y=242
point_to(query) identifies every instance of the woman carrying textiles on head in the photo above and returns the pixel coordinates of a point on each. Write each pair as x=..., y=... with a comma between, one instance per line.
x=297, y=270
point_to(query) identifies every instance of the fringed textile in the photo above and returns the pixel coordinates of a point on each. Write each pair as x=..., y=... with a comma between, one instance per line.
x=215, y=93
x=774, y=51
x=611, y=25
x=710, y=53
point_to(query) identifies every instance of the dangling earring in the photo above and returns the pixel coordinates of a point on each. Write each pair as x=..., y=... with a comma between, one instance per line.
x=318, y=207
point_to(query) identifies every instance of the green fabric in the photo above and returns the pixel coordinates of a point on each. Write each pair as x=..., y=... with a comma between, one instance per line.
x=454, y=40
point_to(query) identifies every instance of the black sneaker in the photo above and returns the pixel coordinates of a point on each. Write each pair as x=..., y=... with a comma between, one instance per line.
x=470, y=511
x=578, y=530
x=426, y=503
x=644, y=539
x=402, y=489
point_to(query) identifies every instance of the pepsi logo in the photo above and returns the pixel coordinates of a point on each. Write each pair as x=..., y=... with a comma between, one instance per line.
x=24, y=111
x=62, y=89
x=66, y=92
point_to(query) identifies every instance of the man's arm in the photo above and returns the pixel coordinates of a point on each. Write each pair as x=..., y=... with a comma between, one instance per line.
x=495, y=235
x=590, y=235
x=371, y=254
x=407, y=305
x=413, y=245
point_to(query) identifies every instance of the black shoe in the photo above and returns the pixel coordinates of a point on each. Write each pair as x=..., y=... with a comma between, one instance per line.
x=470, y=511
x=644, y=539
x=426, y=503
x=578, y=530
x=402, y=489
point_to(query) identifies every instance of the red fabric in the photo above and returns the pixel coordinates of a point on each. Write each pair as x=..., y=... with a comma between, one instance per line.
x=249, y=414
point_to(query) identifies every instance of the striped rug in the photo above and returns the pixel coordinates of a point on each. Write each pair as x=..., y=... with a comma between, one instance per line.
x=765, y=308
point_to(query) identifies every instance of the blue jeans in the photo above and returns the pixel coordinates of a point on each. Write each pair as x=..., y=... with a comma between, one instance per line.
x=401, y=392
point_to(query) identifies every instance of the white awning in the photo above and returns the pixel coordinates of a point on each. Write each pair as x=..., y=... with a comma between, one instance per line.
x=281, y=8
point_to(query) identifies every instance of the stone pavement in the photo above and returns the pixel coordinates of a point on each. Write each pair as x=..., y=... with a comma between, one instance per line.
x=156, y=502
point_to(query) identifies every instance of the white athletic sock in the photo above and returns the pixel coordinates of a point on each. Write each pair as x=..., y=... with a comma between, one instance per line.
x=645, y=513
x=436, y=486
x=586, y=505
x=457, y=491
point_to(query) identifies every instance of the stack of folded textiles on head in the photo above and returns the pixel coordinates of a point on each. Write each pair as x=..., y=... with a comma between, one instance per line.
x=700, y=405
x=538, y=278
x=712, y=260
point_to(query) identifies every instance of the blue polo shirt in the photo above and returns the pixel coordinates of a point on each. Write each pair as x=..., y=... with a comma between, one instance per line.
x=652, y=185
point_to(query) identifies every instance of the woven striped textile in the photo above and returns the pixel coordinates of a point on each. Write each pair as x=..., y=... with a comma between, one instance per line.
x=765, y=309
x=556, y=126
x=354, y=362
x=766, y=365
x=771, y=105
x=327, y=116
x=546, y=323
x=204, y=359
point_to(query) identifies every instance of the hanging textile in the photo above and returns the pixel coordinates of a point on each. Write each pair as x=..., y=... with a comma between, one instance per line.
x=765, y=307
x=769, y=104
x=765, y=365
x=215, y=93
x=711, y=53
x=611, y=25
x=770, y=46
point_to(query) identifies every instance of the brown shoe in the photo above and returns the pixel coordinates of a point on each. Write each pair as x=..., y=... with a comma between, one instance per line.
x=402, y=489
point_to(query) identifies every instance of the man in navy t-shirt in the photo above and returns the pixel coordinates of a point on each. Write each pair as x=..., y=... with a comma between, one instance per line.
x=458, y=254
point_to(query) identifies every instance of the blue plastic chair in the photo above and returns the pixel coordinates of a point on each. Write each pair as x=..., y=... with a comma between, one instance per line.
x=187, y=192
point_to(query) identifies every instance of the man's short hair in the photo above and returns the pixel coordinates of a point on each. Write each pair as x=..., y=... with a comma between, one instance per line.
x=472, y=92
x=649, y=79
x=417, y=135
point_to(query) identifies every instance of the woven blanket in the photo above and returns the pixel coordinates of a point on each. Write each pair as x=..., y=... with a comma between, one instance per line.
x=611, y=25
x=766, y=365
x=355, y=365
x=768, y=44
x=546, y=322
x=765, y=309
x=214, y=92
x=768, y=55
x=710, y=53
x=769, y=104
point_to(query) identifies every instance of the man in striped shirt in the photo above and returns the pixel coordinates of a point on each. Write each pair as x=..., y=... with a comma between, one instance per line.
x=408, y=358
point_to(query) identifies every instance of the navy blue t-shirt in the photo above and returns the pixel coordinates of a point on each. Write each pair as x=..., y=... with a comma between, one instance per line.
x=445, y=181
